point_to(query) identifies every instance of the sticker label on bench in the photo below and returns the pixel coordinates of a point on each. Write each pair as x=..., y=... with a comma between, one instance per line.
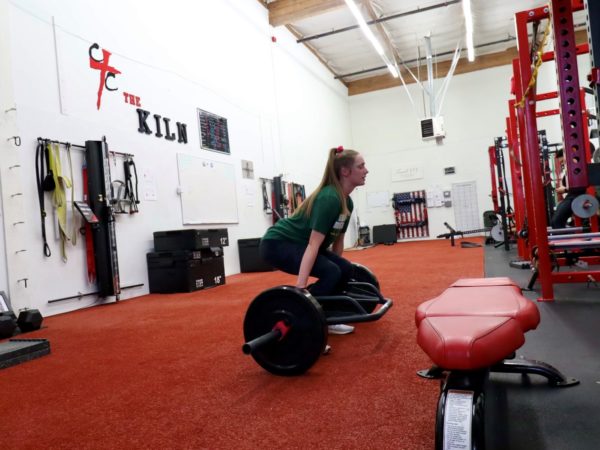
x=457, y=420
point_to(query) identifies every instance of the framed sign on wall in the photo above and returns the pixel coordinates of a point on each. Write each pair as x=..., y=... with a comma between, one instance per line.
x=213, y=132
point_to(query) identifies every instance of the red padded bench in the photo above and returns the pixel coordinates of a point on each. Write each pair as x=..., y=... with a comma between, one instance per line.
x=473, y=328
x=475, y=323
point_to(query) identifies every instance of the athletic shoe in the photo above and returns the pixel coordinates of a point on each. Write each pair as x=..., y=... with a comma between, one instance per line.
x=341, y=329
x=327, y=349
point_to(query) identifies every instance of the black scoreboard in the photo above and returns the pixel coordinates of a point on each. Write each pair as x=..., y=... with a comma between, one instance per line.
x=213, y=132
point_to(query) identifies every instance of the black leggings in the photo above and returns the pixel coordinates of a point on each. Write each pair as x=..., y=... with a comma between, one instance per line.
x=563, y=210
x=332, y=271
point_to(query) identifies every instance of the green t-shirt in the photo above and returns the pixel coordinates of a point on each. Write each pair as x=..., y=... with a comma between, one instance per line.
x=326, y=217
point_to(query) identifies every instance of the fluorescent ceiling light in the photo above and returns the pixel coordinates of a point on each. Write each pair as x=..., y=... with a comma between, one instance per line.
x=466, y=4
x=391, y=66
x=370, y=36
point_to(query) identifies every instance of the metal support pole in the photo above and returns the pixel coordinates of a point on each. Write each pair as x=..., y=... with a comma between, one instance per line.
x=431, y=91
x=565, y=56
x=492, y=156
x=519, y=117
x=502, y=189
x=592, y=8
x=516, y=176
x=537, y=217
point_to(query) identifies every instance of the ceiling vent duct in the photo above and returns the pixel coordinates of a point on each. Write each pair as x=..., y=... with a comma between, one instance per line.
x=432, y=128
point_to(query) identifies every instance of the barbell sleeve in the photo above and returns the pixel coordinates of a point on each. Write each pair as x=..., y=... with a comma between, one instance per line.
x=272, y=336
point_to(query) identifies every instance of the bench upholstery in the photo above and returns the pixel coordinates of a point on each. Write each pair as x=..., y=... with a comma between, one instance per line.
x=475, y=323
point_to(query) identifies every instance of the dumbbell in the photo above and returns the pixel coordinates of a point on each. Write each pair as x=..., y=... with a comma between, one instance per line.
x=28, y=320
x=8, y=324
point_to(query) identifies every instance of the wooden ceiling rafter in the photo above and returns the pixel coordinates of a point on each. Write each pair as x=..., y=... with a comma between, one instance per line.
x=310, y=48
x=286, y=12
x=382, y=31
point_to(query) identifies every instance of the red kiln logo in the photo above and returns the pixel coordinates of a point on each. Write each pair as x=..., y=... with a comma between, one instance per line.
x=106, y=71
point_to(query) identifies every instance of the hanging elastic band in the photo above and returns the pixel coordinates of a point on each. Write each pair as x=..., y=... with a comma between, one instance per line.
x=40, y=175
x=131, y=192
x=59, y=197
x=74, y=229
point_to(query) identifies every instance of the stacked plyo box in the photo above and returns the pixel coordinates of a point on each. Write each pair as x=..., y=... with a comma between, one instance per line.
x=187, y=260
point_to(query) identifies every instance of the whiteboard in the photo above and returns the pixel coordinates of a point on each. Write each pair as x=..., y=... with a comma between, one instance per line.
x=466, y=208
x=207, y=190
x=377, y=199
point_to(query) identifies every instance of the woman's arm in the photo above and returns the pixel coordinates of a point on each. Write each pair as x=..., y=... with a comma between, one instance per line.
x=309, y=257
x=338, y=245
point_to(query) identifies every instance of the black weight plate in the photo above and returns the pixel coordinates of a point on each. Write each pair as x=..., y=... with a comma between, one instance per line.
x=364, y=275
x=305, y=341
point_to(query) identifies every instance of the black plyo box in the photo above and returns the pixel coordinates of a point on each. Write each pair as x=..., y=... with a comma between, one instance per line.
x=250, y=260
x=190, y=239
x=213, y=269
x=170, y=272
x=186, y=270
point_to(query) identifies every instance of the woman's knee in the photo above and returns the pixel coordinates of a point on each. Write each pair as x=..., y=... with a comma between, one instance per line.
x=324, y=269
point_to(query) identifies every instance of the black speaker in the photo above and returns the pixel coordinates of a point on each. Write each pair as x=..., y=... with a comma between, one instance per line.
x=30, y=320
x=384, y=234
x=250, y=260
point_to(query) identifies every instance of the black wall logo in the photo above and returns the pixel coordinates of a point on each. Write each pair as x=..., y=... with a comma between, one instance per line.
x=161, y=122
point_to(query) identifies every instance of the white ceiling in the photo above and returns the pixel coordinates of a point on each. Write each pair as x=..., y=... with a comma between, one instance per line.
x=349, y=52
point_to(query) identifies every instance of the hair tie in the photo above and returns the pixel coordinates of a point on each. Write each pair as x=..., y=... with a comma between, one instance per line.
x=340, y=149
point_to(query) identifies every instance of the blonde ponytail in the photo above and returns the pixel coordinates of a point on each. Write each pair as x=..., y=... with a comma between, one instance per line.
x=338, y=158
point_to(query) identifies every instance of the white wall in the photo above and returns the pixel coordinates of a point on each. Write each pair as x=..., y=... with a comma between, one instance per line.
x=215, y=55
x=302, y=89
x=283, y=107
x=386, y=129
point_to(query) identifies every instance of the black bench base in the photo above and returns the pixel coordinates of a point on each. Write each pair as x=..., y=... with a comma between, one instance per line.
x=460, y=410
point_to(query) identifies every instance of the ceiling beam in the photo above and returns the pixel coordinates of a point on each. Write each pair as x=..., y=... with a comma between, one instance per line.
x=395, y=56
x=380, y=19
x=283, y=12
x=310, y=48
x=388, y=81
x=488, y=61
